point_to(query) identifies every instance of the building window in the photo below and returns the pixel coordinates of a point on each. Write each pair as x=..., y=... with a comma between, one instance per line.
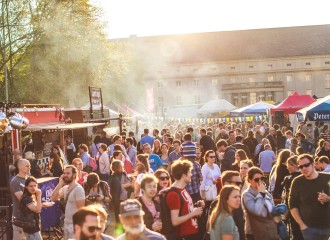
x=308, y=77
x=160, y=101
x=270, y=78
x=251, y=66
x=270, y=65
x=308, y=64
x=327, y=83
x=327, y=62
x=160, y=84
x=261, y=98
x=309, y=92
x=289, y=78
x=215, y=97
x=232, y=68
x=270, y=97
x=244, y=100
x=195, y=69
x=288, y=64
x=178, y=100
x=235, y=100
x=253, y=97
x=214, y=82
x=232, y=79
x=197, y=99
x=196, y=82
x=178, y=83
x=251, y=80
x=290, y=92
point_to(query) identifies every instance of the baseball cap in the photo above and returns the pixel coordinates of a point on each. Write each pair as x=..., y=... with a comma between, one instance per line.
x=131, y=207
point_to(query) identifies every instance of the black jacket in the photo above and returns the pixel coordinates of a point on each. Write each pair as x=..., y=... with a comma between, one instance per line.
x=147, y=217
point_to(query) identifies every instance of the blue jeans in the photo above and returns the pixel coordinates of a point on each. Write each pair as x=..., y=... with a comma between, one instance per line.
x=316, y=233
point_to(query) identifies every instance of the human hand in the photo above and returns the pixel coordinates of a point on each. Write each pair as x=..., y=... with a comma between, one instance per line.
x=261, y=187
x=61, y=181
x=100, y=197
x=197, y=212
x=303, y=226
x=200, y=203
x=38, y=192
x=322, y=197
x=157, y=226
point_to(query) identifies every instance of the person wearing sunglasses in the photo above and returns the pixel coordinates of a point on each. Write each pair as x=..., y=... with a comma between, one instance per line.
x=86, y=223
x=293, y=169
x=258, y=204
x=210, y=172
x=164, y=183
x=309, y=200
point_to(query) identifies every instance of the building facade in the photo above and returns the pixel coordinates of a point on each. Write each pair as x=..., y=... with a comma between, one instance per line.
x=242, y=67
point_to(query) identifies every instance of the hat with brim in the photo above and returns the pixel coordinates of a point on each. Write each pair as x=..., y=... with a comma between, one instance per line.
x=131, y=207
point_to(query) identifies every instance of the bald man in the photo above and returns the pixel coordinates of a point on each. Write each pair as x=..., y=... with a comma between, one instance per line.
x=17, y=187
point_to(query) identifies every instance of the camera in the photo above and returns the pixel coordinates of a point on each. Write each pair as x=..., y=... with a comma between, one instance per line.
x=91, y=198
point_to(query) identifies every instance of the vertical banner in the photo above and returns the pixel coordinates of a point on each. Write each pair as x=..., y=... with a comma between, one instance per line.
x=150, y=100
x=95, y=99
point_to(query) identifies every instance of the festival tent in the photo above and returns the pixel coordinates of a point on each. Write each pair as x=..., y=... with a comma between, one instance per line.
x=216, y=106
x=317, y=111
x=253, y=109
x=293, y=103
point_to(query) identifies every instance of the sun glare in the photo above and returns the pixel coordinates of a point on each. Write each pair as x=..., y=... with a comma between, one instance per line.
x=157, y=17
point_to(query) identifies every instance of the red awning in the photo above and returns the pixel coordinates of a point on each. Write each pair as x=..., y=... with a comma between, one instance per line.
x=293, y=103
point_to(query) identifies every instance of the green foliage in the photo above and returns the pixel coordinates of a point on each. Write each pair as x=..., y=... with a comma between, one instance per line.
x=67, y=51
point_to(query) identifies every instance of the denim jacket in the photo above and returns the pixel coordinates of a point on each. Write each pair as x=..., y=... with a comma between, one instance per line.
x=257, y=211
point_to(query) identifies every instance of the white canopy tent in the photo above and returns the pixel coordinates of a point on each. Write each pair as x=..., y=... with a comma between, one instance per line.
x=216, y=106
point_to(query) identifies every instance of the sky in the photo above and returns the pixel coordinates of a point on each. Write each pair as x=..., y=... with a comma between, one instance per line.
x=159, y=17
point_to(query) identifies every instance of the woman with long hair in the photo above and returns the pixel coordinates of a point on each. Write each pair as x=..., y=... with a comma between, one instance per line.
x=97, y=191
x=164, y=183
x=164, y=156
x=143, y=158
x=211, y=172
x=245, y=165
x=281, y=171
x=156, y=149
x=54, y=168
x=81, y=175
x=280, y=140
x=222, y=225
x=240, y=155
x=140, y=171
x=31, y=207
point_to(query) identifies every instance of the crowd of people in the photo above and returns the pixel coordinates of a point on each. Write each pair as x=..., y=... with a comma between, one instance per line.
x=217, y=181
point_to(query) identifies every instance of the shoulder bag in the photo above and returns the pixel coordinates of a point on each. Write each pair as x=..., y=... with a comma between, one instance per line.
x=211, y=190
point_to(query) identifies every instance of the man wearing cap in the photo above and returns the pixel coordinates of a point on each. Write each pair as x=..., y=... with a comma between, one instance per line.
x=131, y=217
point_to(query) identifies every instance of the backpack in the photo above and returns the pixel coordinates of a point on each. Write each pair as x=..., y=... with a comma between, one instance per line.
x=168, y=230
x=93, y=163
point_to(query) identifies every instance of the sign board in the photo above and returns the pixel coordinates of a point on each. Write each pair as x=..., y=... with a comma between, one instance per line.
x=95, y=99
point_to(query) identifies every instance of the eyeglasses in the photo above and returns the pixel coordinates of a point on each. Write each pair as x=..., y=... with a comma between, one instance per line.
x=92, y=229
x=164, y=178
x=259, y=179
x=236, y=183
x=211, y=156
x=304, y=165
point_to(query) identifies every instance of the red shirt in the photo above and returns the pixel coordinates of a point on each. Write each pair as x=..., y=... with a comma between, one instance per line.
x=173, y=201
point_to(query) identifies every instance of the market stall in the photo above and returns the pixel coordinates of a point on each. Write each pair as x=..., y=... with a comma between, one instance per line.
x=317, y=111
x=259, y=108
